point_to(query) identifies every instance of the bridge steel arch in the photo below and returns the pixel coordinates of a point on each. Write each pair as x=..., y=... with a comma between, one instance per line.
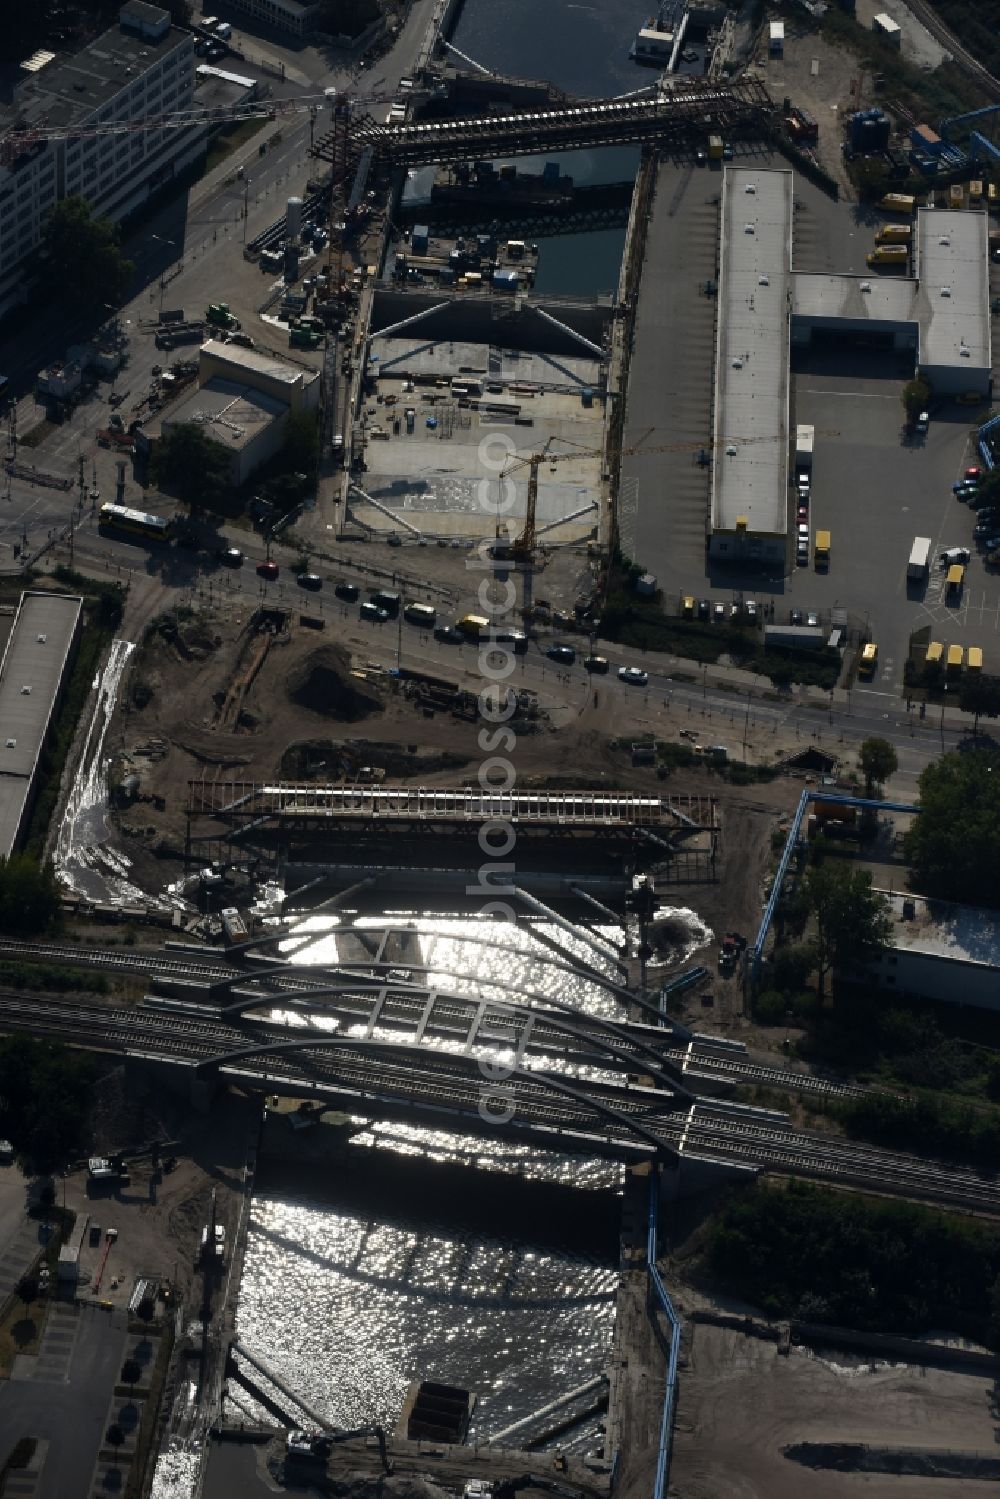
x=394, y=1049
x=280, y=970
x=306, y=998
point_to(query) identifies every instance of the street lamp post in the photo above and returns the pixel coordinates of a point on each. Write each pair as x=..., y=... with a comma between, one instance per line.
x=162, y=239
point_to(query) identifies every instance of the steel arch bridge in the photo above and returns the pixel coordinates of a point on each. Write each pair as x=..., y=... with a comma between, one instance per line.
x=536, y=1107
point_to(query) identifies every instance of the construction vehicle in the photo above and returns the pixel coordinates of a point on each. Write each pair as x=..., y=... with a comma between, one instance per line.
x=897, y=255
x=219, y=316
x=304, y=338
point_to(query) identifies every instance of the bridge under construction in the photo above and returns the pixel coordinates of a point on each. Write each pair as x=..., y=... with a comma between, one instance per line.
x=400, y=827
x=675, y=116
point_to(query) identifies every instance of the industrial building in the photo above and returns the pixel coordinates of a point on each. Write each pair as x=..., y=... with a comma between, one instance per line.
x=749, y=474
x=940, y=316
x=140, y=68
x=942, y=951
x=32, y=677
x=243, y=398
x=294, y=16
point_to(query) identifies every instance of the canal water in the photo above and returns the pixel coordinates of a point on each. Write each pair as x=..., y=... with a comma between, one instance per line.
x=428, y=1255
x=583, y=49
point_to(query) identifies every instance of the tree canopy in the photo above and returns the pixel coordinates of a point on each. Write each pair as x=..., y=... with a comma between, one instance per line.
x=346, y=17
x=878, y=763
x=29, y=898
x=44, y=1098
x=980, y=695
x=952, y=846
x=833, y=1257
x=188, y=463
x=852, y=923
x=83, y=259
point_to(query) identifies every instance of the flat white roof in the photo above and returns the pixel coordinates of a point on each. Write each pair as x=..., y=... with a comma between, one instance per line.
x=942, y=929
x=954, y=288
x=237, y=358
x=750, y=463
x=858, y=298
x=30, y=676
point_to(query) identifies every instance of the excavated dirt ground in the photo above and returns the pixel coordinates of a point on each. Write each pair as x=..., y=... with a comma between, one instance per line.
x=741, y=1403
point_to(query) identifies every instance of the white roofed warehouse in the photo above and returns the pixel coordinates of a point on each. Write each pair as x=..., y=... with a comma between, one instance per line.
x=750, y=447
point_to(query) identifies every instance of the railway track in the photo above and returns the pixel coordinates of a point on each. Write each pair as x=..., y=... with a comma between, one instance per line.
x=696, y=1060
x=446, y=1086
x=964, y=58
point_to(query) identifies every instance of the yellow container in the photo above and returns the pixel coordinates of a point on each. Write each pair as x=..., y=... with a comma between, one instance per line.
x=956, y=655
x=975, y=661
x=935, y=651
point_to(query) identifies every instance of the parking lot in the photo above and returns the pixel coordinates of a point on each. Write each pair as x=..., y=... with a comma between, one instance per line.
x=874, y=488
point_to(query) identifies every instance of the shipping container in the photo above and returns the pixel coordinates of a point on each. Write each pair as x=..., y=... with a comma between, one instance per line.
x=919, y=564
x=935, y=654
x=956, y=655
x=975, y=661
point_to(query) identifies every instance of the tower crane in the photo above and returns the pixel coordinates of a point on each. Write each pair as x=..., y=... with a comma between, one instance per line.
x=523, y=546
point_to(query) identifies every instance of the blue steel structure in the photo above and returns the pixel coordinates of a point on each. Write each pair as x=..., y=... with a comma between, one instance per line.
x=865, y=803
x=980, y=145
x=660, y=1292
x=984, y=437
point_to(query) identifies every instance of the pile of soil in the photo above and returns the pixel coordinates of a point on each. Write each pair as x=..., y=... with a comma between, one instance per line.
x=323, y=684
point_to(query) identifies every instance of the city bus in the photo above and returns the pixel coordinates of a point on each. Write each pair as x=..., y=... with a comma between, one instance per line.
x=135, y=522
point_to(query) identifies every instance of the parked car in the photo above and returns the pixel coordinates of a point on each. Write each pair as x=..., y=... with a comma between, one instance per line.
x=951, y=555
x=450, y=634
x=633, y=675
x=802, y=555
x=803, y=513
x=704, y=609
x=268, y=570
x=229, y=556
x=751, y=608
x=990, y=543
x=812, y=619
x=392, y=540
x=795, y=616
x=718, y=611
x=312, y=581
x=348, y=591
x=701, y=157
x=922, y=422
x=965, y=487
x=596, y=664
x=974, y=472
x=374, y=612
x=565, y=654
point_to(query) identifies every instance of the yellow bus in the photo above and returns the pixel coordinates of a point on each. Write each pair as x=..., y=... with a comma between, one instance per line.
x=893, y=234
x=935, y=653
x=975, y=193
x=955, y=578
x=474, y=626
x=956, y=655
x=889, y=255
x=898, y=203
x=975, y=659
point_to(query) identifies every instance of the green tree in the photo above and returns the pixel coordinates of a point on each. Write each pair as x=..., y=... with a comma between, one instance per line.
x=791, y=966
x=916, y=394
x=82, y=255
x=878, y=762
x=981, y=696
x=44, y=1099
x=188, y=463
x=29, y=897
x=952, y=846
x=851, y=919
x=301, y=450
